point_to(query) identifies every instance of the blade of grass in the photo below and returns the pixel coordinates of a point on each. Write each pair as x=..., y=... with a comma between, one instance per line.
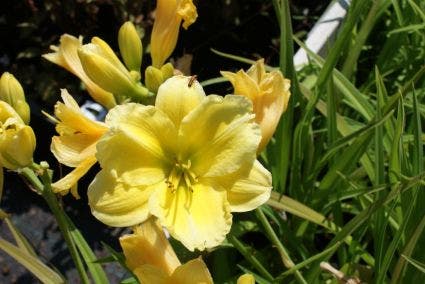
x=420, y=266
x=96, y=271
x=286, y=259
x=244, y=250
x=33, y=264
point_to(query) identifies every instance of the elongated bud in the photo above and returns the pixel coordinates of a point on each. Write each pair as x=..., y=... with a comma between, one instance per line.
x=17, y=144
x=103, y=69
x=153, y=78
x=130, y=46
x=12, y=93
x=169, y=16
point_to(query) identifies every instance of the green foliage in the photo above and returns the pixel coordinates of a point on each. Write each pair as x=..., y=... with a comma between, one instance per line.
x=347, y=161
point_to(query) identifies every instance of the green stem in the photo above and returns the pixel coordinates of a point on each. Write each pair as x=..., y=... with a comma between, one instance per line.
x=45, y=189
x=249, y=257
x=275, y=240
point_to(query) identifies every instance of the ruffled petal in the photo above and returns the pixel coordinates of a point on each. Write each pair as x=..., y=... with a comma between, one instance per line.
x=145, y=137
x=148, y=245
x=150, y=274
x=178, y=96
x=250, y=192
x=118, y=204
x=186, y=217
x=69, y=181
x=192, y=272
x=219, y=137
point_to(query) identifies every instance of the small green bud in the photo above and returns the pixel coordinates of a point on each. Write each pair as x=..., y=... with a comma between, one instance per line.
x=130, y=46
x=12, y=93
x=153, y=78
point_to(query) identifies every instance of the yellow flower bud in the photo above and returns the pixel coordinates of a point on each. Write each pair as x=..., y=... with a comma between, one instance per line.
x=12, y=93
x=66, y=56
x=17, y=144
x=269, y=93
x=153, y=78
x=104, y=68
x=130, y=46
x=246, y=279
x=167, y=71
x=169, y=15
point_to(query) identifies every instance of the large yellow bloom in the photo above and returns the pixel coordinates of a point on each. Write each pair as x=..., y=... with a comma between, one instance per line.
x=152, y=259
x=189, y=160
x=269, y=93
x=169, y=15
x=76, y=144
x=66, y=56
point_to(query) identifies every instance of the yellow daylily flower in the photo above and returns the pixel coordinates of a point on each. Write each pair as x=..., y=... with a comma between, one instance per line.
x=66, y=56
x=152, y=259
x=183, y=160
x=169, y=15
x=17, y=140
x=269, y=93
x=12, y=93
x=76, y=144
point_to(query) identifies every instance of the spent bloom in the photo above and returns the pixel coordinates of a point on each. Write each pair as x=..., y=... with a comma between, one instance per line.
x=169, y=15
x=76, y=144
x=152, y=259
x=190, y=160
x=66, y=56
x=17, y=140
x=269, y=93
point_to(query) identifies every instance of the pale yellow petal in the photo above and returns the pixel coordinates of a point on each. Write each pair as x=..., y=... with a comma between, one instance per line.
x=117, y=204
x=257, y=71
x=63, y=185
x=144, y=135
x=149, y=274
x=148, y=245
x=271, y=104
x=250, y=192
x=149, y=129
x=246, y=279
x=188, y=219
x=178, y=96
x=73, y=150
x=219, y=137
x=242, y=83
x=72, y=117
x=192, y=272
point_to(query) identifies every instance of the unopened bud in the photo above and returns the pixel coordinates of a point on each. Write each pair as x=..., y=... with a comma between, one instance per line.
x=130, y=46
x=153, y=78
x=12, y=93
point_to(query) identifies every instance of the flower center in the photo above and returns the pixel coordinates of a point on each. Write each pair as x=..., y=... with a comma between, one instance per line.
x=181, y=175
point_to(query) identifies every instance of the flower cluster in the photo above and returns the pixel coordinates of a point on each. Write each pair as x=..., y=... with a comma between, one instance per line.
x=171, y=156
